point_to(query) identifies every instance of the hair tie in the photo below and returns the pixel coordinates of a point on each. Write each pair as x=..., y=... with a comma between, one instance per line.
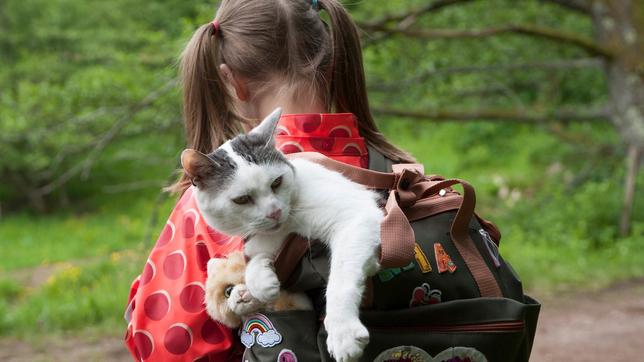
x=215, y=25
x=314, y=4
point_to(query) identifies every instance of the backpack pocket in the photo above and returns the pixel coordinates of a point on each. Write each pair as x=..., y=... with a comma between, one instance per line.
x=285, y=336
x=481, y=329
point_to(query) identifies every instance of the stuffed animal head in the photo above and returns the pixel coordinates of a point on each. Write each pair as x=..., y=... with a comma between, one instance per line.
x=227, y=298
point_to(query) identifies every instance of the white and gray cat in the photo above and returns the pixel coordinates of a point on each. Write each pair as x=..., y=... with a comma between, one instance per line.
x=246, y=187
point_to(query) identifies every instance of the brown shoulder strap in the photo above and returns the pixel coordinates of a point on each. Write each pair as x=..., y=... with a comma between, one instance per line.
x=292, y=250
x=368, y=178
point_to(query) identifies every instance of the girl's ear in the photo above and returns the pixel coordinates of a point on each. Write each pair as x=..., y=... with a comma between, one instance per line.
x=266, y=129
x=198, y=166
x=239, y=84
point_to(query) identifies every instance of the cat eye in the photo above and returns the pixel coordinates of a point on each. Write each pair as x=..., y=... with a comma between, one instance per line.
x=276, y=183
x=227, y=291
x=241, y=200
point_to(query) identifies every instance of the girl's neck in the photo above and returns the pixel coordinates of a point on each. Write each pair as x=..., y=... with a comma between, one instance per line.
x=291, y=102
x=290, y=106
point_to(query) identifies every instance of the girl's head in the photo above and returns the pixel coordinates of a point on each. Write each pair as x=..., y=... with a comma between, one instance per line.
x=261, y=47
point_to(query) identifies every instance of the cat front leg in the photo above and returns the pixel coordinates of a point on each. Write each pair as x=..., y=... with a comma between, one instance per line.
x=261, y=279
x=353, y=258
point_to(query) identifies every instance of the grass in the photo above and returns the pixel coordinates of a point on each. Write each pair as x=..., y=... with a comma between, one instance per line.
x=557, y=237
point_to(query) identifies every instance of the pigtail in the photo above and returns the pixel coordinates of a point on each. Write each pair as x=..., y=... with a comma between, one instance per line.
x=348, y=87
x=208, y=113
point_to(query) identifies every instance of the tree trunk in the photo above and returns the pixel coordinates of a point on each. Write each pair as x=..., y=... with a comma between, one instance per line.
x=620, y=28
x=632, y=168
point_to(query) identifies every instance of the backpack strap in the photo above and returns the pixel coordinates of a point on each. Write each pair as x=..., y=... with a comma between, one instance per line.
x=398, y=249
x=292, y=250
x=407, y=185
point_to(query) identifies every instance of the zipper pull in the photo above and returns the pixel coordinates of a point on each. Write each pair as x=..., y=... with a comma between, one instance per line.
x=491, y=247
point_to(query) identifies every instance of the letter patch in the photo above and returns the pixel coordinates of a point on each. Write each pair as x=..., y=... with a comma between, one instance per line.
x=259, y=329
x=443, y=261
x=421, y=259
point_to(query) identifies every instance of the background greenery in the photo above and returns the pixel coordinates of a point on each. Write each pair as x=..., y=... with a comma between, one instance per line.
x=90, y=130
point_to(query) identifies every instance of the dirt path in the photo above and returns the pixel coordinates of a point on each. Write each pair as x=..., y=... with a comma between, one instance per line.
x=104, y=349
x=599, y=326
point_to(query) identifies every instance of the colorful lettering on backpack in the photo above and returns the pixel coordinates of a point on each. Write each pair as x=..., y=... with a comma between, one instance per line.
x=259, y=329
x=421, y=259
x=424, y=295
x=443, y=261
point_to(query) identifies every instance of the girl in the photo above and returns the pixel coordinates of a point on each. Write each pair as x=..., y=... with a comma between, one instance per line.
x=255, y=55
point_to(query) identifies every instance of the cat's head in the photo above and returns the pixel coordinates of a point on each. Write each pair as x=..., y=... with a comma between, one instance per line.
x=246, y=186
x=227, y=298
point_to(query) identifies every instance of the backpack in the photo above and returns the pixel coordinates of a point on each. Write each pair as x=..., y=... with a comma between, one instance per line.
x=444, y=292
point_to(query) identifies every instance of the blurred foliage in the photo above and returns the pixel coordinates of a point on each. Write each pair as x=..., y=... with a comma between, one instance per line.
x=79, y=75
x=72, y=71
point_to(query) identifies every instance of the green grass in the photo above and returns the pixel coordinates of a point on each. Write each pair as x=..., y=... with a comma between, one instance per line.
x=74, y=298
x=556, y=236
x=30, y=241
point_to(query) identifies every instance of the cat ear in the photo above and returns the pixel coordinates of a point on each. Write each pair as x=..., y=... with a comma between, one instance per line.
x=266, y=128
x=197, y=165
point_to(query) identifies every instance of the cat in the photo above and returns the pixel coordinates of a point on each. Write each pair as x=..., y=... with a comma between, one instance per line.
x=247, y=187
x=228, y=300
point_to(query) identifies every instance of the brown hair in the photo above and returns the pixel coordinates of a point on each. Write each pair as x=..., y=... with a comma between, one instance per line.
x=261, y=39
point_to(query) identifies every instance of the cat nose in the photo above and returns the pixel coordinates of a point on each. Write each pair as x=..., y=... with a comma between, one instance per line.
x=275, y=215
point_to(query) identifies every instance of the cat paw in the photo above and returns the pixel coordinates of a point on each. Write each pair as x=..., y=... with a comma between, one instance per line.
x=346, y=339
x=262, y=283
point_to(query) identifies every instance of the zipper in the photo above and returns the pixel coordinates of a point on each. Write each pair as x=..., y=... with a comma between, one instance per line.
x=491, y=246
x=499, y=327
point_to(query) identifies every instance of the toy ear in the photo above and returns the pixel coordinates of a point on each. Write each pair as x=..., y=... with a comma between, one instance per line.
x=237, y=258
x=198, y=166
x=214, y=265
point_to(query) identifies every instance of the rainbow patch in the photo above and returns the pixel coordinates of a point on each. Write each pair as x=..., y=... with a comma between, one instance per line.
x=259, y=329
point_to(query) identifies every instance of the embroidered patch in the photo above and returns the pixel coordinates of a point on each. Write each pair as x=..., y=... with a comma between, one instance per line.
x=286, y=355
x=403, y=354
x=443, y=261
x=386, y=275
x=415, y=354
x=460, y=354
x=424, y=295
x=259, y=329
x=492, y=248
x=421, y=259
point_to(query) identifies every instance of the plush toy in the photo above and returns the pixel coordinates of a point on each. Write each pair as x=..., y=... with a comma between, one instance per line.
x=228, y=300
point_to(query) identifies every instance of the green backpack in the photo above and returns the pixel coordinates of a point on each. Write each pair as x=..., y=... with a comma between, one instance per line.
x=445, y=294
